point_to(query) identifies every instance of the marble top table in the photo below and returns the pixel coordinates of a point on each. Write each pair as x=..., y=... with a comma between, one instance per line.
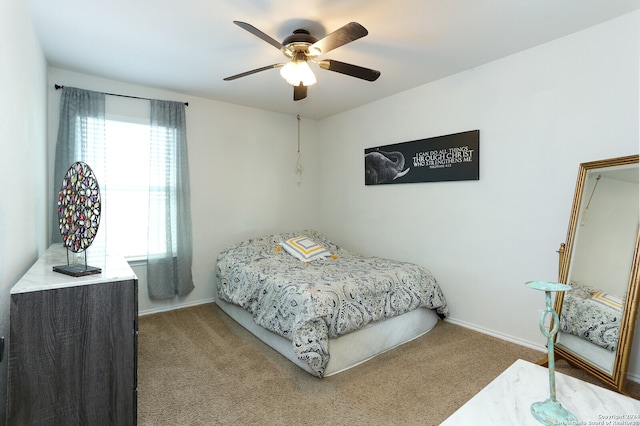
x=42, y=277
x=507, y=400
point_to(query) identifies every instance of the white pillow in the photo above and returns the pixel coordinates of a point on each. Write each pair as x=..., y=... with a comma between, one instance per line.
x=305, y=249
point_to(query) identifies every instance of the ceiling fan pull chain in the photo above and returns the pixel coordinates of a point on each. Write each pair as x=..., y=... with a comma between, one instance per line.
x=298, y=163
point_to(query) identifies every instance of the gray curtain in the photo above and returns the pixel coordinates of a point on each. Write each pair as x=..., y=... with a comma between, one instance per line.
x=81, y=137
x=169, y=256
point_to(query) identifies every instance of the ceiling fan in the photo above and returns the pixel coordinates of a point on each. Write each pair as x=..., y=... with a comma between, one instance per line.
x=301, y=47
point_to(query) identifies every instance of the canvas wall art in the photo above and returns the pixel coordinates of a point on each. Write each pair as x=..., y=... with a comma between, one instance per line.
x=452, y=157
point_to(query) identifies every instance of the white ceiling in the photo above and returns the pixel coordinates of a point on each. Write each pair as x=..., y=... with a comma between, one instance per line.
x=189, y=46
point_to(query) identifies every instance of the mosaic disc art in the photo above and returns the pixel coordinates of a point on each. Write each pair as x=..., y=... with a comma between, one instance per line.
x=79, y=207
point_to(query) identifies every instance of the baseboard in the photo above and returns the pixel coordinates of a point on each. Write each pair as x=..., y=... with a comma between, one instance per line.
x=511, y=339
x=173, y=307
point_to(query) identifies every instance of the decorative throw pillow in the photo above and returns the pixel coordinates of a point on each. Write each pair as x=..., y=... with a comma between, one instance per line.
x=607, y=299
x=305, y=249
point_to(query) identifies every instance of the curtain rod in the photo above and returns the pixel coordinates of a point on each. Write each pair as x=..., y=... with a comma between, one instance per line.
x=59, y=86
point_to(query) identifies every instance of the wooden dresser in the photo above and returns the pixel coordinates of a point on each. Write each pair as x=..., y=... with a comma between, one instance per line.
x=73, y=345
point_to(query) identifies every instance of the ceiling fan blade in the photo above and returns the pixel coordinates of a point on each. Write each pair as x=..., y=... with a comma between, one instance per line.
x=256, y=32
x=346, y=34
x=349, y=69
x=299, y=92
x=244, y=74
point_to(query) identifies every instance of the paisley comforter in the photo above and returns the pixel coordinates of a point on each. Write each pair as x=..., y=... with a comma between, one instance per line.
x=585, y=318
x=308, y=303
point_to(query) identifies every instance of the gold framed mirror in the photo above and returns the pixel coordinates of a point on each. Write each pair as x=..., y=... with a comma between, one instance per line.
x=600, y=261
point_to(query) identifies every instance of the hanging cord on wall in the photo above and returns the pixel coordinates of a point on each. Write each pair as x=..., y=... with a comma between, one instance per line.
x=586, y=209
x=298, y=163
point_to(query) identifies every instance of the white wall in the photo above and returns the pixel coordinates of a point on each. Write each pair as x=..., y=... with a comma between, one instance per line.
x=22, y=157
x=243, y=175
x=540, y=113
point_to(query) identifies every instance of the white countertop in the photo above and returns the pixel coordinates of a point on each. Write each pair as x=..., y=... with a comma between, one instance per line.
x=42, y=277
x=507, y=400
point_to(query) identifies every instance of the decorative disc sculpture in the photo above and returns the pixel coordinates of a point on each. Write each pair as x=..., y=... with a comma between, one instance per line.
x=550, y=412
x=78, y=216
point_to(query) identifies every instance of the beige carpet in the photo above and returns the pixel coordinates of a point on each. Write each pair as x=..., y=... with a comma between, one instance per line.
x=196, y=366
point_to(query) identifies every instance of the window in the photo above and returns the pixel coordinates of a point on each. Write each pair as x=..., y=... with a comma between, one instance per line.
x=126, y=188
x=128, y=191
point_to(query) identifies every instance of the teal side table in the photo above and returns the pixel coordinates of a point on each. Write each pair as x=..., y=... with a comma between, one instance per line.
x=550, y=412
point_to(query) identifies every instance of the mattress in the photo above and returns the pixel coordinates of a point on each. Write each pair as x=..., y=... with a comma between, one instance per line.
x=351, y=349
x=592, y=353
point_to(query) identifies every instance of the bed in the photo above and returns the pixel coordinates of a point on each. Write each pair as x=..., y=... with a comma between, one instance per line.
x=590, y=324
x=593, y=315
x=321, y=306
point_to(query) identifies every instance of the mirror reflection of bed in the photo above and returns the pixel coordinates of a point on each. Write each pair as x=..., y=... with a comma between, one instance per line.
x=599, y=265
x=590, y=324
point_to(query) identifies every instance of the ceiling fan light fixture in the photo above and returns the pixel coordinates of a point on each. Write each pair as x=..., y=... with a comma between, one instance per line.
x=296, y=72
x=301, y=47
